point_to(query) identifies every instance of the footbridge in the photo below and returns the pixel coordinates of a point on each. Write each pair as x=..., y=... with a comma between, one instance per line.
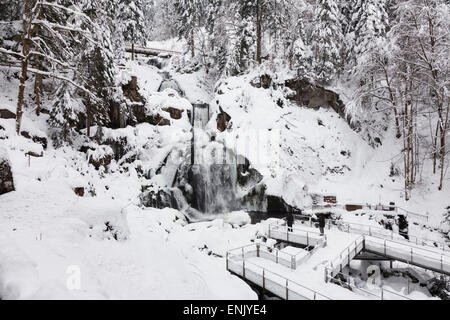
x=289, y=277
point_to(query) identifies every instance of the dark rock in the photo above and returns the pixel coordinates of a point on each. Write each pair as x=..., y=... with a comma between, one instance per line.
x=34, y=154
x=100, y=160
x=159, y=198
x=313, y=96
x=79, y=191
x=6, y=114
x=247, y=176
x=264, y=81
x=157, y=120
x=155, y=62
x=223, y=120
x=174, y=112
x=38, y=139
x=276, y=204
x=6, y=176
x=131, y=91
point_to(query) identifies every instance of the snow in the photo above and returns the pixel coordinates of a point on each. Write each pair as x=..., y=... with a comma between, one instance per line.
x=123, y=251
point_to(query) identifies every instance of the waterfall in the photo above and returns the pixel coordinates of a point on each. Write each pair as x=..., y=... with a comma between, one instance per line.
x=169, y=83
x=213, y=173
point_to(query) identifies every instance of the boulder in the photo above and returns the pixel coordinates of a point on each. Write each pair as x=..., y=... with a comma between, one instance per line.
x=6, y=176
x=79, y=191
x=101, y=156
x=223, y=120
x=158, y=198
x=157, y=120
x=6, y=114
x=174, y=112
x=264, y=81
x=131, y=91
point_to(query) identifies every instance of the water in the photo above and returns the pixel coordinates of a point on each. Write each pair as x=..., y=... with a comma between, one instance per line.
x=213, y=173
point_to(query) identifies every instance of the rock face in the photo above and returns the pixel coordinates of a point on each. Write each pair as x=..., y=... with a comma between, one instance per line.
x=223, y=120
x=6, y=114
x=160, y=199
x=131, y=91
x=174, y=112
x=314, y=96
x=6, y=176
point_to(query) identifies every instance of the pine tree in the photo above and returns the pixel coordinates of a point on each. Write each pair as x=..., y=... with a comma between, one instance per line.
x=131, y=18
x=190, y=19
x=369, y=24
x=327, y=39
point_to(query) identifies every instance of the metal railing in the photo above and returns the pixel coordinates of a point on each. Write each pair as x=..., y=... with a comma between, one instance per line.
x=270, y=279
x=346, y=255
x=312, y=237
x=375, y=231
x=261, y=250
x=349, y=283
x=383, y=233
x=411, y=255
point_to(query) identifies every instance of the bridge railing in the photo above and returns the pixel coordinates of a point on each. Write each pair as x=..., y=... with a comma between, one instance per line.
x=369, y=230
x=414, y=255
x=344, y=257
x=281, y=231
x=351, y=227
x=261, y=250
x=271, y=281
x=382, y=294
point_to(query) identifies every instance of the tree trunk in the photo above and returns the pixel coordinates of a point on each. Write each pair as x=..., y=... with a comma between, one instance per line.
x=88, y=117
x=444, y=127
x=24, y=64
x=192, y=44
x=258, y=30
x=38, y=87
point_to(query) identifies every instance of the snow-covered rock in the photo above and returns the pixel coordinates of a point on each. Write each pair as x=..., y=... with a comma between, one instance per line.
x=6, y=175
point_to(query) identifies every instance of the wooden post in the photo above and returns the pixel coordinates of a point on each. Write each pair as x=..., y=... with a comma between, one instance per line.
x=257, y=250
x=243, y=268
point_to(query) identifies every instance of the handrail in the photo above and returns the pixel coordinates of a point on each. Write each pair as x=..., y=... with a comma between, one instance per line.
x=357, y=242
x=282, y=277
x=279, y=255
x=366, y=291
x=277, y=225
x=441, y=245
x=392, y=233
x=412, y=252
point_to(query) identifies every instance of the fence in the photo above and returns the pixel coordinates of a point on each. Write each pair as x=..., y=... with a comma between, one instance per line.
x=281, y=231
x=383, y=294
x=421, y=257
x=363, y=229
x=383, y=233
x=271, y=281
x=345, y=256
